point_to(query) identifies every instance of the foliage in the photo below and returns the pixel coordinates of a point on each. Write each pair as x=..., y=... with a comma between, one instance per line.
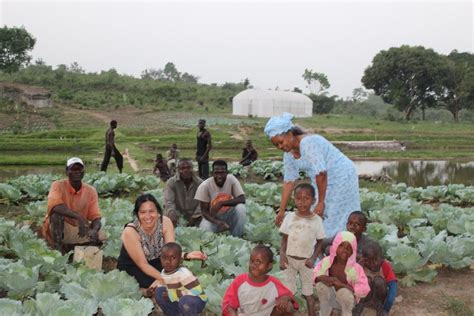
x=317, y=81
x=458, y=83
x=322, y=104
x=70, y=85
x=16, y=43
x=408, y=77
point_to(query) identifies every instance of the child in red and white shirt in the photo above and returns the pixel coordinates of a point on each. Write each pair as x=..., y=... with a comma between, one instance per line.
x=257, y=293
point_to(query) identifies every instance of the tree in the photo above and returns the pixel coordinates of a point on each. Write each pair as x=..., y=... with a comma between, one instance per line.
x=185, y=77
x=15, y=45
x=170, y=72
x=297, y=90
x=153, y=74
x=322, y=104
x=317, y=81
x=359, y=94
x=408, y=77
x=458, y=84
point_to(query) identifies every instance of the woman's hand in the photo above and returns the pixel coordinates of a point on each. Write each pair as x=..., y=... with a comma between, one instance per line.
x=279, y=218
x=283, y=262
x=319, y=209
x=196, y=255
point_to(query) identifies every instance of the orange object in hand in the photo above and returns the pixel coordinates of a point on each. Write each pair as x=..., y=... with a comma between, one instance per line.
x=220, y=198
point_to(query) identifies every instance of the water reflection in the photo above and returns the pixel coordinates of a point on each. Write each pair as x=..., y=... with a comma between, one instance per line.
x=421, y=173
x=417, y=173
x=10, y=172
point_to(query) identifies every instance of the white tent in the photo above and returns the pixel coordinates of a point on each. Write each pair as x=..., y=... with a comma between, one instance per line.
x=267, y=103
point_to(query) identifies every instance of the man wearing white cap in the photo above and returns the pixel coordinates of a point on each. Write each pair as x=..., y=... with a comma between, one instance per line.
x=73, y=215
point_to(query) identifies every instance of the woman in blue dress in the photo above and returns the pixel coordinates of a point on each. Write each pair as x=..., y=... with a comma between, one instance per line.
x=332, y=174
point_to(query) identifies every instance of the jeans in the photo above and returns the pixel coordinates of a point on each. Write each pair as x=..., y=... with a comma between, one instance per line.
x=235, y=217
x=187, y=305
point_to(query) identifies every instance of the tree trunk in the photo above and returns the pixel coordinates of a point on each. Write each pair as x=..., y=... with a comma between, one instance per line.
x=454, y=109
x=423, y=113
x=408, y=112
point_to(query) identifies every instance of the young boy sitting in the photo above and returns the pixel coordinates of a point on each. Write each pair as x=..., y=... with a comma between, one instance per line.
x=161, y=168
x=382, y=281
x=356, y=224
x=340, y=281
x=182, y=292
x=301, y=243
x=256, y=292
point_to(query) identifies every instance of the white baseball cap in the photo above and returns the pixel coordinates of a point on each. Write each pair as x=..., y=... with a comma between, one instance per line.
x=74, y=160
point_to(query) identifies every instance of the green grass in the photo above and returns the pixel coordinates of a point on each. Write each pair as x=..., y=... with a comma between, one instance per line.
x=146, y=132
x=456, y=307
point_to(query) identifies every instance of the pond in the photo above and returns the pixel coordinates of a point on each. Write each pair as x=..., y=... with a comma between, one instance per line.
x=417, y=173
x=420, y=173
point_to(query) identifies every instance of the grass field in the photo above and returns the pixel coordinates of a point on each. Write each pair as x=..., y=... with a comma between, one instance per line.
x=65, y=131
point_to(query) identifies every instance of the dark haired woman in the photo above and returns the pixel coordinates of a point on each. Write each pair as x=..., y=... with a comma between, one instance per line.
x=332, y=174
x=142, y=240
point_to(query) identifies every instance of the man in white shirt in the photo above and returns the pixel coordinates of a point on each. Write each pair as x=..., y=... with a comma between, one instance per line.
x=222, y=201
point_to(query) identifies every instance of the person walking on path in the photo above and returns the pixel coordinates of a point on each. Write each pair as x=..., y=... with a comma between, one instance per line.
x=204, y=146
x=332, y=174
x=110, y=149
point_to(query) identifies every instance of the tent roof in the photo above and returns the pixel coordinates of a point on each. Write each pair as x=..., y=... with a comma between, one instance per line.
x=271, y=94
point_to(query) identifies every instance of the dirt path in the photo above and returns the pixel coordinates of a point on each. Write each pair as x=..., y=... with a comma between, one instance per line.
x=132, y=162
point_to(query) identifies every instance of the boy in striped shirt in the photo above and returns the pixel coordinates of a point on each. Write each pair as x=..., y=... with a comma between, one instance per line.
x=182, y=294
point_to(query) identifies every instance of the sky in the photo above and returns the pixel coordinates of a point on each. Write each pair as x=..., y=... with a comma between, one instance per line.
x=269, y=42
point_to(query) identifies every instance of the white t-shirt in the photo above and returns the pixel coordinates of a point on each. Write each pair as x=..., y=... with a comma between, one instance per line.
x=208, y=190
x=302, y=234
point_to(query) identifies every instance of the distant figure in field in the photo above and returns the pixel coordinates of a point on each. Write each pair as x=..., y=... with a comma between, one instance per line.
x=161, y=168
x=204, y=146
x=249, y=154
x=110, y=149
x=172, y=156
x=73, y=215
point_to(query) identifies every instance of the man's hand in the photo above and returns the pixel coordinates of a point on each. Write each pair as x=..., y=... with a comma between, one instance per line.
x=222, y=226
x=83, y=226
x=94, y=234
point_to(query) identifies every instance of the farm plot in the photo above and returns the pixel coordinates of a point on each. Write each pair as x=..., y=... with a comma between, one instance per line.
x=420, y=229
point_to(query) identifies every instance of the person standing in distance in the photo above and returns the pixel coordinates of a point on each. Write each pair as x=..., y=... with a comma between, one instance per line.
x=110, y=149
x=204, y=146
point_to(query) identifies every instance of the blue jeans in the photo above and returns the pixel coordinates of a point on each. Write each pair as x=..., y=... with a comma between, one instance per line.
x=235, y=217
x=187, y=305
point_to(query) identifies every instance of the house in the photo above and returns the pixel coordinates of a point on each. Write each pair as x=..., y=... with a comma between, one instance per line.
x=29, y=95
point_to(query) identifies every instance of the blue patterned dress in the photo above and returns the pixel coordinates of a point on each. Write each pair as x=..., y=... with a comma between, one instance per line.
x=342, y=193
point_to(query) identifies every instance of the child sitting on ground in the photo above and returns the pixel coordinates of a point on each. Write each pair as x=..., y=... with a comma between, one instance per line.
x=256, y=292
x=382, y=281
x=301, y=243
x=161, y=168
x=340, y=281
x=182, y=293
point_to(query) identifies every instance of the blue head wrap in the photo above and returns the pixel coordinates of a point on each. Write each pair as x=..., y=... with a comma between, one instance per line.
x=279, y=124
